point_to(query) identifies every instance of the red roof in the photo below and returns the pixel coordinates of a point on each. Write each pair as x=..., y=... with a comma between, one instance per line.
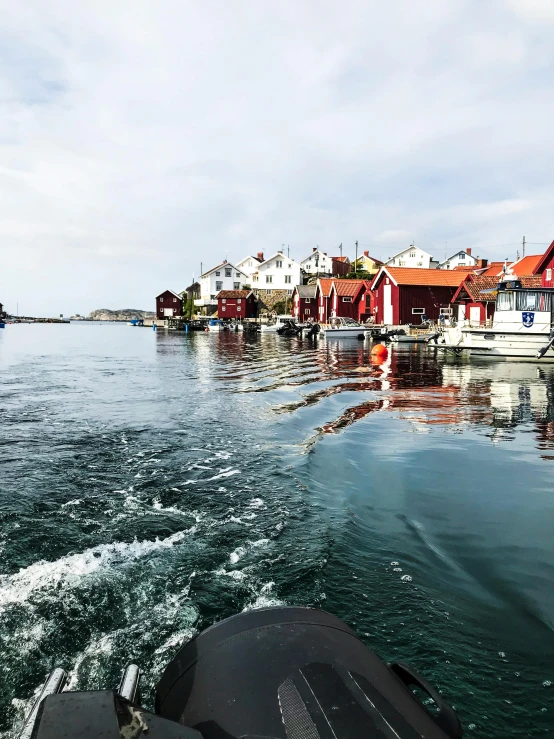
x=325, y=284
x=422, y=276
x=494, y=269
x=475, y=284
x=350, y=287
x=464, y=268
x=527, y=265
x=233, y=294
x=339, y=259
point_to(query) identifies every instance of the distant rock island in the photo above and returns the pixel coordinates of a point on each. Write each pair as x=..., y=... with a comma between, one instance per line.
x=125, y=314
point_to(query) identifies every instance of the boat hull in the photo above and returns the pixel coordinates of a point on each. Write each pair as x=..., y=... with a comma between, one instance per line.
x=499, y=345
x=345, y=333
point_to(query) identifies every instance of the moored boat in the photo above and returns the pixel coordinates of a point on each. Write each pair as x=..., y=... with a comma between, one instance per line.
x=341, y=328
x=522, y=328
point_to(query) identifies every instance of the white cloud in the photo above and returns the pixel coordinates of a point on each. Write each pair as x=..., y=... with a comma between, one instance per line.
x=138, y=139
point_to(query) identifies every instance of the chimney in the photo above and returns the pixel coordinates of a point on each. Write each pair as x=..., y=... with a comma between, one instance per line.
x=325, y=253
x=279, y=251
x=261, y=256
x=469, y=251
x=314, y=248
x=366, y=254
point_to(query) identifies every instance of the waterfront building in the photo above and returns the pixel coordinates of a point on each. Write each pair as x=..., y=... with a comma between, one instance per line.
x=237, y=304
x=404, y=295
x=250, y=264
x=279, y=272
x=168, y=305
x=460, y=259
x=322, y=295
x=545, y=267
x=414, y=257
x=366, y=263
x=304, y=303
x=223, y=277
x=350, y=299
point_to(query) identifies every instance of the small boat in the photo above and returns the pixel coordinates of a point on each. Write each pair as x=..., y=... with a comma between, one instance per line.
x=522, y=328
x=135, y=322
x=341, y=328
x=214, y=324
x=277, y=323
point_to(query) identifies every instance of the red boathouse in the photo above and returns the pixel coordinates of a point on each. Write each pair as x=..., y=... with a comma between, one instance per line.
x=351, y=299
x=404, y=294
x=304, y=304
x=168, y=305
x=237, y=304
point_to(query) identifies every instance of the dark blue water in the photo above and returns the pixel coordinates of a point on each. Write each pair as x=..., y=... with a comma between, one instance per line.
x=152, y=483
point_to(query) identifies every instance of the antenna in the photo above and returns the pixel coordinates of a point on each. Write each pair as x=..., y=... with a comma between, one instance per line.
x=523, y=246
x=340, y=247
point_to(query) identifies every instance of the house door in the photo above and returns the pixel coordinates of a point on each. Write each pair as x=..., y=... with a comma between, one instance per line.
x=474, y=314
x=461, y=312
x=168, y=312
x=387, y=303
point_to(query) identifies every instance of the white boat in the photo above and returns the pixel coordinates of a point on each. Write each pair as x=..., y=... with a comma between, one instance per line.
x=276, y=323
x=340, y=328
x=522, y=328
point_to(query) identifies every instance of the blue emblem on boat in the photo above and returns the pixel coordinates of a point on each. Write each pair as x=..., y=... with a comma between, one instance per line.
x=527, y=318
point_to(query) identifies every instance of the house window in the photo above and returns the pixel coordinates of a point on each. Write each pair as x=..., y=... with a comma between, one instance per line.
x=219, y=285
x=548, y=274
x=445, y=311
x=268, y=292
x=290, y=266
x=239, y=307
x=420, y=264
x=412, y=255
x=236, y=285
x=279, y=263
x=254, y=278
x=289, y=292
x=306, y=311
x=288, y=279
x=174, y=300
x=307, y=300
x=237, y=274
x=402, y=263
x=228, y=272
x=347, y=300
x=387, y=281
x=462, y=255
x=218, y=274
x=223, y=307
x=418, y=311
x=161, y=300
x=269, y=278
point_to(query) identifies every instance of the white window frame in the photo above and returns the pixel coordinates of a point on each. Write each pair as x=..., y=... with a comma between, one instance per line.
x=161, y=300
x=269, y=279
x=174, y=300
x=445, y=311
x=223, y=307
x=218, y=273
x=307, y=300
x=279, y=263
x=219, y=282
x=239, y=307
x=236, y=285
x=228, y=272
x=418, y=311
x=548, y=274
x=288, y=279
x=347, y=299
x=306, y=311
x=223, y=300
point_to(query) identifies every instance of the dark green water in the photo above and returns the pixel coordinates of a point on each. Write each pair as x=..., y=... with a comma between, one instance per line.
x=154, y=483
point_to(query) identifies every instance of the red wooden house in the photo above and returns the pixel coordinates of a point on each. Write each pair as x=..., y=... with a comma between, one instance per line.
x=168, y=305
x=545, y=267
x=304, y=304
x=340, y=266
x=237, y=304
x=404, y=294
x=348, y=299
x=322, y=294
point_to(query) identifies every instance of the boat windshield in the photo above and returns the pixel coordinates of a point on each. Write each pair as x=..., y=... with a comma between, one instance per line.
x=535, y=300
x=349, y=322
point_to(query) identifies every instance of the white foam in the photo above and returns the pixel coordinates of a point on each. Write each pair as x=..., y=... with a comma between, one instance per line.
x=237, y=554
x=72, y=568
x=256, y=503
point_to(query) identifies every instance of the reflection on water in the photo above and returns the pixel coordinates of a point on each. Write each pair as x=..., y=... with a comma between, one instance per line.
x=154, y=483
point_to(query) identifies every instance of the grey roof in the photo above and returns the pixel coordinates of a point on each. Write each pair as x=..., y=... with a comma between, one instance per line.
x=306, y=291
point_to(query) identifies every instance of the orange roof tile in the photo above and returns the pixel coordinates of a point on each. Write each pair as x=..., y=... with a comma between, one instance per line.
x=526, y=266
x=464, y=268
x=494, y=269
x=326, y=284
x=339, y=259
x=422, y=276
x=350, y=287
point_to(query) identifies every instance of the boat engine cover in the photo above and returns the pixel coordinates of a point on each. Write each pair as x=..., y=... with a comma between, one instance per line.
x=289, y=673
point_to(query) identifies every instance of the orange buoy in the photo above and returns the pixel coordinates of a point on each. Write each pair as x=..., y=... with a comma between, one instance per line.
x=380, y=351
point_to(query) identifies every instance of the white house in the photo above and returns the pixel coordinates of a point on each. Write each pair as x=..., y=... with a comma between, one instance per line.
x=250, y=264
x=223, y=277
x=279, y=272
x=459, y=259
x=317, y=263
x=413, y=256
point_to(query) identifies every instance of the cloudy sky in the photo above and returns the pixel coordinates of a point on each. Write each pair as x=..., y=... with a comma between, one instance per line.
x=139, y=139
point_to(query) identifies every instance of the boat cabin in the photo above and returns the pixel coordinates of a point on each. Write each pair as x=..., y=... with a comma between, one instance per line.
x=519, y=308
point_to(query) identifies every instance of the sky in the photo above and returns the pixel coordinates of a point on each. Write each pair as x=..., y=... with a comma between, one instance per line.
x=139, y=140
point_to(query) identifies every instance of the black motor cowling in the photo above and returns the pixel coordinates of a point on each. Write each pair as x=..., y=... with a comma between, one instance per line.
x=294, y=673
